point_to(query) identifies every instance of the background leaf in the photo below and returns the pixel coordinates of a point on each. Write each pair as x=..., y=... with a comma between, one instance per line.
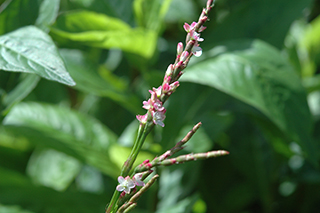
x=31, y=50
x=18, y=13
x=48, y=13
x=99, y=30
x=271, y=86
x=77, y=135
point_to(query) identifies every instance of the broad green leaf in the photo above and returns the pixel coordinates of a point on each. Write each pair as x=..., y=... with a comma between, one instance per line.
x=48, y=13
x=265, y=20
x=99, y=30
x=18, y=13
x=64, y=130
x=53, y=169
x=31, y=50
x=26, y=85
x=262, y=78
x=85, y=73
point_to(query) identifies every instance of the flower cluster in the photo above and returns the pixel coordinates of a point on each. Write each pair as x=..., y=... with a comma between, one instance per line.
x=194, y=36
x=126, y=184
x=154, y=105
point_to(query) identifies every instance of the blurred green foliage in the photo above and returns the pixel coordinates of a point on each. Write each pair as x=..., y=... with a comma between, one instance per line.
x=256, y=89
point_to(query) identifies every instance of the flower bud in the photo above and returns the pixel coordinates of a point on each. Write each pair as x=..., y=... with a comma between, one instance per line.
x=169, y=69
x=179, y=48
x=184, y=56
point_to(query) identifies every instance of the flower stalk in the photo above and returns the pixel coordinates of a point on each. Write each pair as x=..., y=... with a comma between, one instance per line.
x=155, y=115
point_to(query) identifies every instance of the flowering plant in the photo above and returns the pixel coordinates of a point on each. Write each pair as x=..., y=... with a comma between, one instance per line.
x=155, y=116
x=74, y=82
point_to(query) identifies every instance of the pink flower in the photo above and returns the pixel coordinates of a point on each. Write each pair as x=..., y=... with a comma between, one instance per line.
x=188, y=27
x=125, y=184
x=142, y=118
x=169, y=89
x=195, y=36
x=137, y=179
x=147, y=104
x=158, y=105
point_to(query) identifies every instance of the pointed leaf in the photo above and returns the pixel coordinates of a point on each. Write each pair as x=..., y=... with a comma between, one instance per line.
x=30, y=50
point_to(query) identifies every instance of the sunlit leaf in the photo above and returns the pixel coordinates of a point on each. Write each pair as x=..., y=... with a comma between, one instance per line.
x=119, y=155
x=31, y=50
x=99, y=30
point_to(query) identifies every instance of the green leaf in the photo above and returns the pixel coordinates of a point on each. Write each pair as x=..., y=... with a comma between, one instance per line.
x=262, y=78
x=18, y=13
x=120, y=9
x=12, y=209
x=265, y=20
x=98, y=30
x=85, y=73
x=309, y=48
x=30, y=50
x=53, y=169
x=27, y=84
x=48, y=13
x=67, y=131
x=150, y=14
x=200, y=142
x=119, y=155
x=17, y=188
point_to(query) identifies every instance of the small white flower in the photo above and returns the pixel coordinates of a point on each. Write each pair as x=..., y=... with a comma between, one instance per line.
x=158, y=117
x=197, y=51
x=137, y=179
x=126, y=184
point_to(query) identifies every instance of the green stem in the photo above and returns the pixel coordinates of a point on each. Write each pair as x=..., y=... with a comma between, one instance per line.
x=143, y=131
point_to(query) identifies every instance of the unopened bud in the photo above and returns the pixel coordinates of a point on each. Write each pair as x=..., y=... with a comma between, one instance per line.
x=179, y=48
x=184, y=56
x=169, y=70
